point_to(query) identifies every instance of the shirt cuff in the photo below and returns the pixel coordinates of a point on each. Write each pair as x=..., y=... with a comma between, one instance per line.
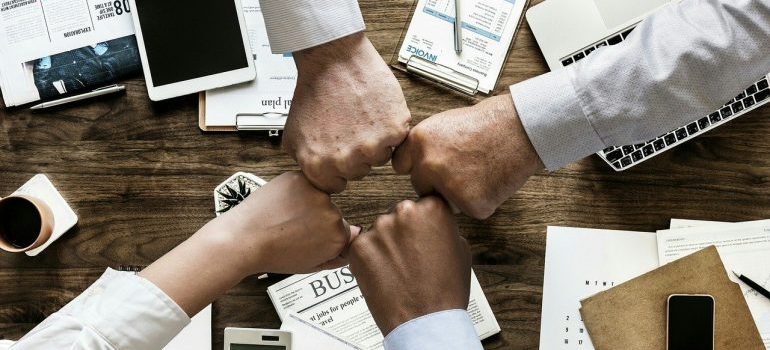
x=294, y=25
x=129, y=311
x=444, y=330
x=552, y=116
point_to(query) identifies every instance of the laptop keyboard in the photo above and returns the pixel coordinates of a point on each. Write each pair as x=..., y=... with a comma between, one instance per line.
x=624, y=157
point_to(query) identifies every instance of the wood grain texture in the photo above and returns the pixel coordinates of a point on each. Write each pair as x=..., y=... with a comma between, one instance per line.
x=140, y=176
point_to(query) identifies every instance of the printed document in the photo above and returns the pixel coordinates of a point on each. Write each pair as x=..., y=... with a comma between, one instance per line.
x=273, y=89
x=488, y=30
x=54, y=47
x=744, y=248
x=332, y=301
x=579, y=263
x=305, y=336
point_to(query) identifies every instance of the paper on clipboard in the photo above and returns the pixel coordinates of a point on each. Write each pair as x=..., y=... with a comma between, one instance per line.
x=263, y=102
x=488, y=30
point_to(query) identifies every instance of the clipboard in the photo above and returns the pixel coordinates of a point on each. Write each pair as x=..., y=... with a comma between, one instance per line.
x=426, y=66
x=270, y=122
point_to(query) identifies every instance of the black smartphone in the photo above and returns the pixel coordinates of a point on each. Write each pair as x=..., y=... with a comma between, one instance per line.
x=690, y=322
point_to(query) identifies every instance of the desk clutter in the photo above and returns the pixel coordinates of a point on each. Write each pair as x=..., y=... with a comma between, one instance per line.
x=607, y=289
x=40, y=60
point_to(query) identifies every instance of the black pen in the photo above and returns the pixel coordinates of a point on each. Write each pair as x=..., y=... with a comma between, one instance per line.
x=753, y=285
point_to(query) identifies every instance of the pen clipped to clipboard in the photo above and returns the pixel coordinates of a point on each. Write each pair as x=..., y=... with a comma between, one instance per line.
x=465, y=56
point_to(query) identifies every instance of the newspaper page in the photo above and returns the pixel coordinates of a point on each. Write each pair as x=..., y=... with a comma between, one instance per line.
x=55, y=47
x=332, y=301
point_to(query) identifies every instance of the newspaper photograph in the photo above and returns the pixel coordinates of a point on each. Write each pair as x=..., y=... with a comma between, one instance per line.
x=332, y=301
x=55, y=47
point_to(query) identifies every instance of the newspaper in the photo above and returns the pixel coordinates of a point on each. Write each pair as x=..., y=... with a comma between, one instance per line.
x=332, y=301
x=55, y=47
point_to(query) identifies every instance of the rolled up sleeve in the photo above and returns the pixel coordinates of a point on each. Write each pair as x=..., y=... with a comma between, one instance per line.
x=120, y=311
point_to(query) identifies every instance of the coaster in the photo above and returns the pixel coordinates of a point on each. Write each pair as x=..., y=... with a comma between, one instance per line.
x=64, y=218
x=234, y=190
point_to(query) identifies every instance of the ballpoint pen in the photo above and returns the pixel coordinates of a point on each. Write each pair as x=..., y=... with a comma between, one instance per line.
x=753, y=285
x=98, y=92
x=458, y=29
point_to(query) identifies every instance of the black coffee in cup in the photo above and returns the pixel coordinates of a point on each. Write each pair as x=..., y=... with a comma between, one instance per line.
x=20, y=222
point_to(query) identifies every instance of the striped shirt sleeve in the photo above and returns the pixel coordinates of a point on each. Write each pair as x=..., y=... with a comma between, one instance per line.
x=294, y=25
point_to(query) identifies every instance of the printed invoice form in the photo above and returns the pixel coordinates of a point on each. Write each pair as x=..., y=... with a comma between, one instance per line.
x=744, y=248
x=488, y=30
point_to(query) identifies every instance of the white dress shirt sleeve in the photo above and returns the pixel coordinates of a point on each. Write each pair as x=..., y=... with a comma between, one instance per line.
x=120, y=311
x=444, y=330
x=680, y=64
x=294, y=25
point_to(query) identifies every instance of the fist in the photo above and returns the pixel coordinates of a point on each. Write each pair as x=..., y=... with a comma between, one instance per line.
x=288, y=226
x=411, y=263
x=475, y=157
x=347, y=115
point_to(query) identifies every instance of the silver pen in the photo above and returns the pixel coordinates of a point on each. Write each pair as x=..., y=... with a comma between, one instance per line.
x=458, y=29
x=98, y=92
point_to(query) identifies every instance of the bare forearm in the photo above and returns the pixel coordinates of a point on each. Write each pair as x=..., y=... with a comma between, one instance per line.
x=199, y=270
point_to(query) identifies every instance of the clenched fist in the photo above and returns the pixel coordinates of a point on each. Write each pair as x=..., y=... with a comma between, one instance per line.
x=347, y=115
x=287, y=226
x=476, y=157
x=412, y=263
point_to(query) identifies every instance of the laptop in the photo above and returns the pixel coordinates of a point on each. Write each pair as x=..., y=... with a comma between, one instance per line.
x=569, y=30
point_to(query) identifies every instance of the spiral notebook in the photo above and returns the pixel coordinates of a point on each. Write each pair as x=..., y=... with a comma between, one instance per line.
x=197, y=334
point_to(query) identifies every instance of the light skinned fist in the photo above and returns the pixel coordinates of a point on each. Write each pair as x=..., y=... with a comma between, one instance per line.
x=411, y=263
x=347, y=115
x=475, y=157
x=288, y=226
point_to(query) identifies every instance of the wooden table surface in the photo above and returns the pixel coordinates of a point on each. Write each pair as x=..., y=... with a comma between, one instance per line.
x=140, y=176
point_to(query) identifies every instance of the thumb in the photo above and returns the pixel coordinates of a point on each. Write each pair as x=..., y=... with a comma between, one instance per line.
x=341, y=260
x=402, y=157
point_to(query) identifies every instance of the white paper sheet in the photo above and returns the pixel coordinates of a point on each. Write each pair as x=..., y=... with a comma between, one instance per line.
x=197, y=334
x=488, y=30
x=579, y=263
x=305, y=336
x=271, y=91
x=744, y=248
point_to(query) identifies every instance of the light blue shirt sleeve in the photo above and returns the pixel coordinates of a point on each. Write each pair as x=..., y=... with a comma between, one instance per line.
x=678, y=65
x=444, y=330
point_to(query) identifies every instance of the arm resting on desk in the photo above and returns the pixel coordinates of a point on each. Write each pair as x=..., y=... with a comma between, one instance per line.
x=120, y=311
x=677, y=66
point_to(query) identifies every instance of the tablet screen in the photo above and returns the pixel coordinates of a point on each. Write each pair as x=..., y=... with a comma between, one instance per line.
x=188, y=39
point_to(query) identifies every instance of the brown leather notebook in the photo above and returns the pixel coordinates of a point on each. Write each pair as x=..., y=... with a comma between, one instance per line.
x=633, y=314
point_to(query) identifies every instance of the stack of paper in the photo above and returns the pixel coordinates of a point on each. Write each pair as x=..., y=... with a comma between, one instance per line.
x=582, y=262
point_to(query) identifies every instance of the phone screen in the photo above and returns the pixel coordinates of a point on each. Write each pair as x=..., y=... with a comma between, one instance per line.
x=690, y=322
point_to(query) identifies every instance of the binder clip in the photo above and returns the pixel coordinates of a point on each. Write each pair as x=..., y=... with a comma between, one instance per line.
x=272, y=122
x=442, y=75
